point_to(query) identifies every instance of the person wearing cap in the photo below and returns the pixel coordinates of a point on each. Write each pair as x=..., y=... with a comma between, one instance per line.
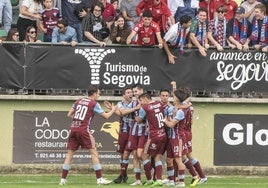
x=259, y=34
x=217, y=29
x=231, y=7
x=238, y=31
x=249, y=5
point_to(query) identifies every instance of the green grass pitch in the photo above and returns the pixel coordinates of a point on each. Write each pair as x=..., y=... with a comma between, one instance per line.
x=88, y=180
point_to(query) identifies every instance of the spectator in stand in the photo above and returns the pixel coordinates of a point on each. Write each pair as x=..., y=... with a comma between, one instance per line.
x=115, y=3
x=249, y=5
x=217, y=29
x=162, y=15
x=146, y=31
x=265, y=49
x=186, y=7
x=231, y=7
x=239, y=30
x=64, y=33
x=31, y=35
x=259, y=34
x=198, y=31
x=74, y=11
x=177, y=35
x=128, y=9
x=119, y=31
x=108, y=13
x=57, y=4
x=173, y=6
x=265, y=2
x=93, y=26
x=143, y=6
x=5, y=14
x=210, y=5
x=29, y=15
x=13, y=35
x=49, y=20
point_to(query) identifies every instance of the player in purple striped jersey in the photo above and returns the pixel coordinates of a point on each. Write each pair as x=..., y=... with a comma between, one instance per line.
x=188, y=159
x=126, y=110
x=153, y=112
x=137, y=139
x=175, y=148
x=82, y=113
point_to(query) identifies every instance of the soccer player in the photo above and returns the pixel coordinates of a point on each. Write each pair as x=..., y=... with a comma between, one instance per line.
x=153, y=112
x=188, y=159
x=175, y=148
x=82, y=113
x=168, y=112
x=125, y=109
x=137, y=138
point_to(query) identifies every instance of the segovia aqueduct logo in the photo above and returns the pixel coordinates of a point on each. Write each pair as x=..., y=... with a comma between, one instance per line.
x=94, y=57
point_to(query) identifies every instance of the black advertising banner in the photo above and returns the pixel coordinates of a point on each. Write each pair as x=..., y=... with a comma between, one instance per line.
x=11, y=65
x=240, y=140
x=113, y=67
x=41, y=137
x=55, y=67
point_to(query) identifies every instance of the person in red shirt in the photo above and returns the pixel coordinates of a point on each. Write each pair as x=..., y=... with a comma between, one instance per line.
x=143, y=6
x=231, y=7
x=146, y=30
x=162, y=15
x=210, y=5
x=109, y=13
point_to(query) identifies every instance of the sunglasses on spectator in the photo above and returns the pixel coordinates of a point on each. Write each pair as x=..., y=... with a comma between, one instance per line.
x=223, y=12
x=16, y=34
x=32, y=32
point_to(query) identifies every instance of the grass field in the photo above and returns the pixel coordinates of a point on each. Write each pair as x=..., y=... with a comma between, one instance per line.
x=83, y=180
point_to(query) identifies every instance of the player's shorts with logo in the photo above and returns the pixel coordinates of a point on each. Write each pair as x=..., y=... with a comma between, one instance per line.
x=188, y=141
x=175, y=148
x=122, y=142
x=135, y=142
x=156, y=143
x=80, y=137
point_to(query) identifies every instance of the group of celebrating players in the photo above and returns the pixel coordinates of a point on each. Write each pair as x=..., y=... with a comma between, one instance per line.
x=149, y=129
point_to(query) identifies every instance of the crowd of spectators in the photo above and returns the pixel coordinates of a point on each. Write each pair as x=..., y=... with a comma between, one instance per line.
x=219, y=23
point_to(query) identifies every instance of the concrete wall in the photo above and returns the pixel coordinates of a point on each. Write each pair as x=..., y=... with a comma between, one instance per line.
x=203, y=127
